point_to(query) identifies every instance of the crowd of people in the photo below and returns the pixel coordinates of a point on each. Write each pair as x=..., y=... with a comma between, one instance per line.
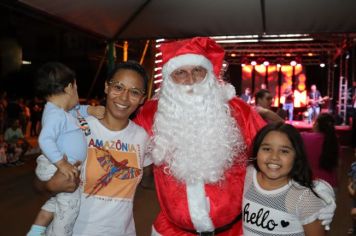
x=19, y=119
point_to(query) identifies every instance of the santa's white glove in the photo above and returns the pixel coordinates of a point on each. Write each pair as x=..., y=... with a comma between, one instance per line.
x=326, y=192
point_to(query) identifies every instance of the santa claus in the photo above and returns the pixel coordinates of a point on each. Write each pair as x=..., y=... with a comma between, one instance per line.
x=200, y=134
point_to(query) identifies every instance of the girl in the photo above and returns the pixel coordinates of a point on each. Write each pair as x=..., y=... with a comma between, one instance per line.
x=278, y=196
x=62, y=142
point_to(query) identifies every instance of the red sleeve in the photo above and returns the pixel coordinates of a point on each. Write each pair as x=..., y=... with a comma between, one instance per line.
x=146, y=114
x=248, y=120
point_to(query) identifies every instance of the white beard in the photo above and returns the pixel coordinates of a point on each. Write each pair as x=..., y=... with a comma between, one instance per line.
x=194, y=133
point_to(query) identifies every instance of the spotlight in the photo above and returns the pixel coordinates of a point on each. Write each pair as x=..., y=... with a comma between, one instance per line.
x=243, y=65
x=293, y=63
x=266, y=63
x=279, y=65
x=322, y=65
x=26, y=62
x=233, y=55
x=253, y=63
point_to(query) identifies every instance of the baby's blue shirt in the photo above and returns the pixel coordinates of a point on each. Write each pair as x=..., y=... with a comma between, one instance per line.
x=61, y=134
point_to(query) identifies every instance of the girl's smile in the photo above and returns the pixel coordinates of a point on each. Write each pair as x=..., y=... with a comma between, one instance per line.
x=275, y=159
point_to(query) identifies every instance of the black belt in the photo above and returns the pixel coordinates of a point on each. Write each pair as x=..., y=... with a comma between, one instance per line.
x=218, y=230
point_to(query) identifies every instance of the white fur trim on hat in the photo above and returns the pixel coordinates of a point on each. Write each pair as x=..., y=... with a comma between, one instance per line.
x=186, y=60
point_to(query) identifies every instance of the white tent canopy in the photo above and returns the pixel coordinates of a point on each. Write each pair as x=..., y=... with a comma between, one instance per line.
x=137, y=19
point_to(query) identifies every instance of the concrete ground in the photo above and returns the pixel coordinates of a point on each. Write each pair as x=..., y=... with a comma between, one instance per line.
x=19, y=202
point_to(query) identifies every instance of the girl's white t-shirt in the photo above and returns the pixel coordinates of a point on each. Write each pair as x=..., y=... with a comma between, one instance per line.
x=282, y=211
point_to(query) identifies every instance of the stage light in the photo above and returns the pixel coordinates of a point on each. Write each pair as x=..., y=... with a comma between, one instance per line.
x=233, y=55
x=293, y=63
x=279, y=65
x=322, y=65
x=26, y=62
x=243, y=65
x=310, y=54
x=252, y=54
x=335, y=65
x=253, y=63
x=288, y=54
x=238, y=41
x=225, y=65
x=266, y=63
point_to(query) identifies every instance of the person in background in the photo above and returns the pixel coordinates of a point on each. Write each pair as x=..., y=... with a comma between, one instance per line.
x=313, y=100
x=17, y=145
x=351, y=187
x=263, y=86
x=3, y=111
x=288, y=102
x=354, y=116
x=246, y=96
x=322, y=148
x=36, y=108
x=3, y=151
x=62, y=142
x=13, y=110
x=279, y=186
x=263, y=100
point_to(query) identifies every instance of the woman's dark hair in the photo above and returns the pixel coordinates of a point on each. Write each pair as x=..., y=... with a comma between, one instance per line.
x=129, y=65
x=301, y=172
x=330, y=152
x=52, y=78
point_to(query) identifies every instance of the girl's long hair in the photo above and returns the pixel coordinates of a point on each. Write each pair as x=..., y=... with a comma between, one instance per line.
x=301, y=172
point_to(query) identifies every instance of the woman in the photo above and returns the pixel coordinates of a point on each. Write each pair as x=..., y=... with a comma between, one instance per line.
x=322, y=149
x=115, y=159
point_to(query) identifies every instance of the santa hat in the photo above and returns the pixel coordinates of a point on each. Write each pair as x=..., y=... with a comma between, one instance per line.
x=200, y=51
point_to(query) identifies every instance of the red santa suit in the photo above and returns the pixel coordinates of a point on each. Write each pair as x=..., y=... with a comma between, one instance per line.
x=224, y=198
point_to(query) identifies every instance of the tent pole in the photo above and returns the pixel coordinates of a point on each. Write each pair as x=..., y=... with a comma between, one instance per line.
x=144, y=52
x=126, y=47
x=97, y=73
